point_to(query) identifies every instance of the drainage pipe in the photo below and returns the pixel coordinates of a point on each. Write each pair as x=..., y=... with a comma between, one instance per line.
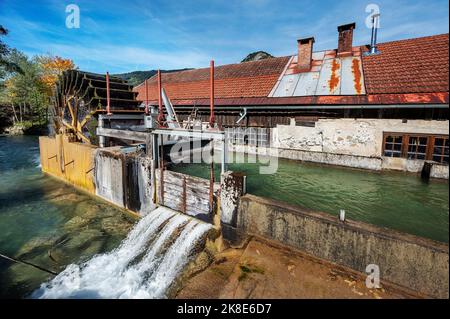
x=211, y=101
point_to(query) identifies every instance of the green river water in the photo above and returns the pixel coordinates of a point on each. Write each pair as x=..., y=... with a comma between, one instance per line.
x=390, y=199
x=49, y=223
x=46, y=222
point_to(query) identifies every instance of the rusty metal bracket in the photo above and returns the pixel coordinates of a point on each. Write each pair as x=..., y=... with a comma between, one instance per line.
x=71, y=162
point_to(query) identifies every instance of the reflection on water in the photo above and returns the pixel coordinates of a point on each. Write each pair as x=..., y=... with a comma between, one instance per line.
x=47, y=222
x=391, y=199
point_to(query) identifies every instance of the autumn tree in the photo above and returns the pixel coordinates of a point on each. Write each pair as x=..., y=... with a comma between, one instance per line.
x=52, y=67
x=27, y=85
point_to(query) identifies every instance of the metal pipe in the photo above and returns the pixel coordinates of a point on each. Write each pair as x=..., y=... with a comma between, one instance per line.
x=373, y=40
x=211, y=177
x=242, y=116
x=172, y=119
x=108, y=104
x=211, y=102
x=146, y=97
x=160, y=107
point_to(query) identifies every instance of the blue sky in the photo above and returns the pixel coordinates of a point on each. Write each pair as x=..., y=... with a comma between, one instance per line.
x=122, y=36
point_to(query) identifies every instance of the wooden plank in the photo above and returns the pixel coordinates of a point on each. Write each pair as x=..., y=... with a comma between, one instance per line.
x=175, y=178
x=122, y=134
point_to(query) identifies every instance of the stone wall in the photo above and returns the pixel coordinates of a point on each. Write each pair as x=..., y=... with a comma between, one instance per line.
x=406, y=260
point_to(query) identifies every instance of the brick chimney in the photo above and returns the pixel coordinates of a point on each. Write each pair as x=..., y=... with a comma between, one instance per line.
x=345, y=42
x=305, y=49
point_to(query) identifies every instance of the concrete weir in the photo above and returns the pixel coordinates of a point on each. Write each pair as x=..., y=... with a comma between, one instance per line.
x=128, y=178
x=409, y=261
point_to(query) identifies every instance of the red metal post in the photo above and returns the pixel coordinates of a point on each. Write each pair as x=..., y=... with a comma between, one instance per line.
x=211, y=101
x=108, y=105
x=146, y=96
x=160, y=108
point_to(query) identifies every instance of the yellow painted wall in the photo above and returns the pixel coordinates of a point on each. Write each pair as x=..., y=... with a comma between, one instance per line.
x=73, y=162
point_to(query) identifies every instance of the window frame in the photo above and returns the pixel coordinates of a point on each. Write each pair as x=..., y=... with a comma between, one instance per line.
x=429, y=151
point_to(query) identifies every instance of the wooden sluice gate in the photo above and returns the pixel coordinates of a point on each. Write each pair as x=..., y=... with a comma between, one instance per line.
x=111, y=145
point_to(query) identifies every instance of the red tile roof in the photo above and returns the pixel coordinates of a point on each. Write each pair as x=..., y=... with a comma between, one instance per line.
x=248, y=79
x=413, y=71
x=408, y=66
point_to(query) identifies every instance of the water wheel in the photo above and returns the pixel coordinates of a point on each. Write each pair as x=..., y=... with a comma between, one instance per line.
x=80, y=96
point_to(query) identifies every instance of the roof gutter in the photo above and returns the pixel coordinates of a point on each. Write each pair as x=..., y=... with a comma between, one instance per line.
x=316, y=107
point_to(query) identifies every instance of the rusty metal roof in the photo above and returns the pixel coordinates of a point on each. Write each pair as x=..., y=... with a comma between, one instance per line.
x=413, y=71
x=329, y=75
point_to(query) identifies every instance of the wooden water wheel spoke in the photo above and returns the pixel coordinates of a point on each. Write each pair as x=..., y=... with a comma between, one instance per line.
x=80, y=96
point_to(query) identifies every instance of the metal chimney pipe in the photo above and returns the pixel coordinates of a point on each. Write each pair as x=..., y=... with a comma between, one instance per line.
x=373, y=40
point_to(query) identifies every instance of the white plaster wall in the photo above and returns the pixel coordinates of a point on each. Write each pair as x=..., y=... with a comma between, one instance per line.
x=362, y=137
x=439, y=171
x=298, y=137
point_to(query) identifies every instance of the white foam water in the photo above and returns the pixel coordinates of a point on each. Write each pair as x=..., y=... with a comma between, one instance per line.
x=143, y=266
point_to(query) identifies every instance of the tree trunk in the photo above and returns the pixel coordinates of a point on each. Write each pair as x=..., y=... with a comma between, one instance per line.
x=20, y=111
x=15, y=119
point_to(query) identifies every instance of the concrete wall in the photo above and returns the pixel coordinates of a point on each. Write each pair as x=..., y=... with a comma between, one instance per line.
x=124, y=179
x=72, y=162
x=439, y=171
x=406, y=260
x=109, y=183
x=361, y=137
x=349, y=142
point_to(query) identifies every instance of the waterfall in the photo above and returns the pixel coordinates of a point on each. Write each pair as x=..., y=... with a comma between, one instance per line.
x=144, y=265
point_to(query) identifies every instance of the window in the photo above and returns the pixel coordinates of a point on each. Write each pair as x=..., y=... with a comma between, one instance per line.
x=393, y=145
x=417, y=146
x=440, y=150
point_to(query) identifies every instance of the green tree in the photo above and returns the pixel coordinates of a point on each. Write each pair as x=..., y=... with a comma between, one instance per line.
x=6, y=66
x=25, y=91
x=27, y=85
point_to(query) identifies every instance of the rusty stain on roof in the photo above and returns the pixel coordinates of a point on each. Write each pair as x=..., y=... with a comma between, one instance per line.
x=334, y=79
x=356, y=75
x=413, y=71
